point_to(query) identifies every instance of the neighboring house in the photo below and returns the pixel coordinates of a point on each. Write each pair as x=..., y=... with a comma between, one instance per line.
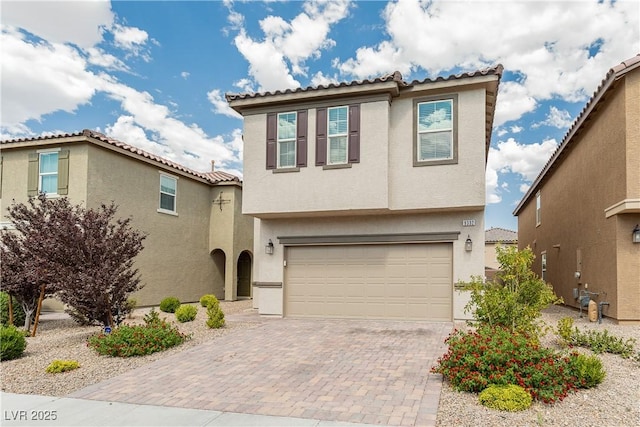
x=198, y=240
x=580, y=212
x=492, y=238
x=366, y=193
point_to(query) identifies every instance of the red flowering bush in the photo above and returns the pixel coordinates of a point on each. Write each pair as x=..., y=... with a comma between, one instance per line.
x=501, y=356
x=138, y=340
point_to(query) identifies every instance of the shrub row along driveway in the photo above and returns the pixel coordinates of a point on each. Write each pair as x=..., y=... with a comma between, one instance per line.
x=374, y=372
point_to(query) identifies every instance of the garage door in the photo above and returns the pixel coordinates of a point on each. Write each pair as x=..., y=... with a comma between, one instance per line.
x=398, y=281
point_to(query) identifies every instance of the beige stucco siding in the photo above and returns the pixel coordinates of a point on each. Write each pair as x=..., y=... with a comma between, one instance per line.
x=363, y=186
x=176, y=260
x=460, y=185
x=632, y=106
x=14, y=174
x=591, y=178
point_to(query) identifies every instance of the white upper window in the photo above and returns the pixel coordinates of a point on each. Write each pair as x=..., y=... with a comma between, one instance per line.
x=168, y=192
x=538, y=206
x=435, y=130
x=338, y=135
x=48, y=173
x=287, y=125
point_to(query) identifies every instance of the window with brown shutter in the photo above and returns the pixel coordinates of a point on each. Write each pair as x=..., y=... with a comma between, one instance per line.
x=332, y=134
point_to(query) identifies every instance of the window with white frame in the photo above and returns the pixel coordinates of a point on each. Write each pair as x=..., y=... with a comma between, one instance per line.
x=435, y=139
x=168, y=191
x=538, y=206
x=48, y=172
x=338, y=135
x=287, y=125
x=544, y=265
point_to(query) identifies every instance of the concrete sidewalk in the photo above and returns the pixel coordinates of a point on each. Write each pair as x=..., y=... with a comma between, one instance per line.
x=34, y=410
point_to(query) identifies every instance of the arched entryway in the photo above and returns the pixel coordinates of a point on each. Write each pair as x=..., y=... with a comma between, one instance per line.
x=244, y=275
x=219, y=269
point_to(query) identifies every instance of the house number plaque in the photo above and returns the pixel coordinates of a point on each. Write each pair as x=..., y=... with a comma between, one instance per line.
x=468, y=222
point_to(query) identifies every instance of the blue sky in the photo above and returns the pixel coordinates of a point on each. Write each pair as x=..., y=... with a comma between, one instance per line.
x=154, y=74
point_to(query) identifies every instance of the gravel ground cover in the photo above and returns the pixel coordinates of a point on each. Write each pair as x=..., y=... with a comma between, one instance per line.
x=615, y=402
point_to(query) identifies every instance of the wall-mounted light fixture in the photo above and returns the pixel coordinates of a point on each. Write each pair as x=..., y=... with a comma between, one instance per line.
x=468, y=244
x=268, y=248
x=635, y=236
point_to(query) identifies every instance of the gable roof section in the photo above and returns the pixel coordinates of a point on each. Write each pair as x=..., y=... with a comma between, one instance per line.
x=588, y=112
x=98, y=138
x=391, y=84
x=500, y=235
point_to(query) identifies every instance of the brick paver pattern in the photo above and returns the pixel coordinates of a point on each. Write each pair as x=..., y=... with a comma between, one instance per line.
x=360, y=371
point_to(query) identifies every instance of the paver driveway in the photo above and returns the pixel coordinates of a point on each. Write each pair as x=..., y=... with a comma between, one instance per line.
x=361, y=371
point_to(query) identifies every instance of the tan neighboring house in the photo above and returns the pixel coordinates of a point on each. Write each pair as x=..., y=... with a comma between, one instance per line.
x=492, y=238
x=580, y=213
x=198, y=240
x=369, y=196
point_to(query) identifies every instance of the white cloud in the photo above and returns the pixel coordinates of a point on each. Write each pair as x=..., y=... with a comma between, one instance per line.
x=547, y=43
x=185, y=74
x=526, y=160
x=220, y=105
x=245, y=85
x=560, y=119
x=319, y=79
x=516, y=129
x=525, y=187
x=97, y=56
x=287, y=45
x=78, y=22
x=131, y=39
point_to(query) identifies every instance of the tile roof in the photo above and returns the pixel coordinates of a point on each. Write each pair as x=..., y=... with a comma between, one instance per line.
x=88, y=135
x=396, y=76
x=609, y=82
x=497, y=234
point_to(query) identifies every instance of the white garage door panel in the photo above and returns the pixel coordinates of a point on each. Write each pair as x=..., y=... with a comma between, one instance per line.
x=398, y=281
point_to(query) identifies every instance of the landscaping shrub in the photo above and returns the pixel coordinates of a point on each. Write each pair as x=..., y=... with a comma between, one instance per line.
x=138, y=340
x=18, y=311
x=215, y=316
x=209, y=299
x=169, y=304
x=505, y=398
x=129, y=306
x=152, y=318
x=186, y=313
x=58, y=366
x=516, y=298
x=12, y=342
x=596, y=341
x=500, y=356
x=588, y=370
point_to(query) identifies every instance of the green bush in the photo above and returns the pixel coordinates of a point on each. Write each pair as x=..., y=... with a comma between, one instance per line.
x=505, y=398
x=58, y=366
x=596, y=341
x=18, y=312
x=152, y=318
x=500, y=356
x=12, y=342
x=516, y=298
x=169, y=304
x=129, y=306
x=186, y=313
x=215, y=316
x=138, y=340
x=209, y=299
x=588, y=370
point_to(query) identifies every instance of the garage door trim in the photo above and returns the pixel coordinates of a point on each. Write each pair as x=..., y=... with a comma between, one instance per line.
x=447, y=236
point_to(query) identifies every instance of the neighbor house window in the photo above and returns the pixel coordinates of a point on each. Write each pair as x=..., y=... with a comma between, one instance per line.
x=48, y=173
x=436, y=134
x=287, y=140
x=544, y=265
x=168, y=190
x=538, y=218
x=338, y=134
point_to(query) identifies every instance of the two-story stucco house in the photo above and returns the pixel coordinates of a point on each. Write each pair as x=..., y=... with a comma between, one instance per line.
x=580, y=213
x=369, y=196
x=198, y=240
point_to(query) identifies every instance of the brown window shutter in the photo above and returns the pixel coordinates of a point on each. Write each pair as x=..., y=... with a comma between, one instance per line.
x=63, y=172
x=301, y=139
x=32, y=175
x=354, y=133
x=272, y=135
x=321, y=136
